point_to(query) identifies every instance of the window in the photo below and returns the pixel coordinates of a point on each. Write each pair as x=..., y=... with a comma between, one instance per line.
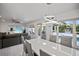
x=77, y=26
x=18, y=29
x=62, y=28
x=66, y=27
x=77, y=32
x=54, y=28
x=69, y=24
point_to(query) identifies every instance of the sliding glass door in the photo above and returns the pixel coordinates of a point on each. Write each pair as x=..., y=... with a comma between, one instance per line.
x=71, y=28
x=77, y=32
x=66, y=27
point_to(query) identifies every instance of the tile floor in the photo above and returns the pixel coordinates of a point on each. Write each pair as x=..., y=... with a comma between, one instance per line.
x=16, y=50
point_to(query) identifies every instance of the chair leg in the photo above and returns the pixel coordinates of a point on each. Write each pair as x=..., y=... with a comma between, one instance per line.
x=23, y=53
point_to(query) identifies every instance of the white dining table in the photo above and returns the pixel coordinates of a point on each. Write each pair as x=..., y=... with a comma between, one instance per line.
x=51, y=48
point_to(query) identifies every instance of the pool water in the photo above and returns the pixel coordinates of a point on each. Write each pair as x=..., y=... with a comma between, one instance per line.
x=78, y=41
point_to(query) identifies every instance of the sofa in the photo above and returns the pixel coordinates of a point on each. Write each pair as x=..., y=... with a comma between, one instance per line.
x=12, y=39
x=1, y=34
x=26, y=36
x=0, y=44
x=9, y=40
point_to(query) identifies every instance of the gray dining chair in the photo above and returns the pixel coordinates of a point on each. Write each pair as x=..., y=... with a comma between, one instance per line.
x=29, y=49
x=22, y=39
x=24, y=46
x=66, y=41
x=53, y=38
x=42, y=53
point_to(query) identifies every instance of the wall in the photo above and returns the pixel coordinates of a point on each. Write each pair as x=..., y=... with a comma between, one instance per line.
x=5, y=27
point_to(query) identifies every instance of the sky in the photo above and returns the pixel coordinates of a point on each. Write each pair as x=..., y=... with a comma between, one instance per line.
x=71, y=22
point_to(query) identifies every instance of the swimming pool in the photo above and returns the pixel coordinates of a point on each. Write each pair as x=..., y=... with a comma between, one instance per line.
x=78, y=41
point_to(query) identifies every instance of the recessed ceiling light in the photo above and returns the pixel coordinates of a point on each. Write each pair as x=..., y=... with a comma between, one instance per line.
x=48, y=3
x=44, y=43
x=54, y=47
x=21, y=22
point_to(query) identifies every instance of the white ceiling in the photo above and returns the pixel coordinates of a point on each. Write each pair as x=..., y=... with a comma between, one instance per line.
x=35, y=11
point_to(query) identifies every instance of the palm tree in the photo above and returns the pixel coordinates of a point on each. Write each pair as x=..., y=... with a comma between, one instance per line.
x=77, y=28
x=62, y=28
